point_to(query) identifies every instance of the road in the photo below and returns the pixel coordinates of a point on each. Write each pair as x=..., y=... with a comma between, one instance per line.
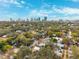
x=65, y=53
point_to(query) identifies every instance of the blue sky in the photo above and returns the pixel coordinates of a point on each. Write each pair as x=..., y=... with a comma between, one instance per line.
x=53, y=9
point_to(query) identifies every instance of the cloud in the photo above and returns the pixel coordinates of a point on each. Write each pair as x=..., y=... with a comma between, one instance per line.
x=23, y=2
x=8, y=2
x=69, y=17
x=56, y=13
x=6, y=16
x=73, y=0
x=60, y=10
x=39, y=13
x=45, y=5
x=67, y=10
x=44, y=10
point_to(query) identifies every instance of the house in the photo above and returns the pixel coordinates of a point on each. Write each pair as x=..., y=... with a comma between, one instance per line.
x=35, y=43
x=35, y=48
x=19, y=31
x=41, y=44
x=58, y=52
x=47, y=40
x=4, y=36
x=60, y=45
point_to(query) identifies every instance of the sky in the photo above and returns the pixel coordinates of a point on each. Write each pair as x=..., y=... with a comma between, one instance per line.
x=53, y=9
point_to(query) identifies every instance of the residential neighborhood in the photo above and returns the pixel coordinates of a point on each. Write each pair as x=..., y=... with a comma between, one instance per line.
x=29, y=39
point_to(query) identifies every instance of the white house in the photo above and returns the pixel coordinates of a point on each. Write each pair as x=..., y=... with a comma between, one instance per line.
x=36, y=48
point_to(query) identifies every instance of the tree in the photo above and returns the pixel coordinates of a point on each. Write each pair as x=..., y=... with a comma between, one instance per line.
x=65, y=40
x=53, y=40
x=49, y=33
x=24, y=53
x=75, y=53
x=58, y=34
x=7, y=47
x=28, y=35
x=4, y=46
x=47, y=53
x=22, y=40
x=11, y=40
